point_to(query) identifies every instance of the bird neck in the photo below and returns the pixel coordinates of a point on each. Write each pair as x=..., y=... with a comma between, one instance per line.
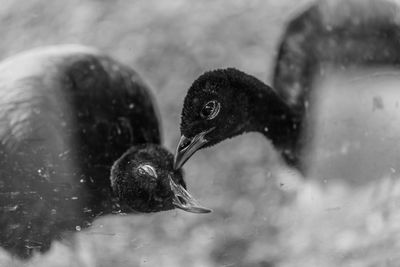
x=269, y=114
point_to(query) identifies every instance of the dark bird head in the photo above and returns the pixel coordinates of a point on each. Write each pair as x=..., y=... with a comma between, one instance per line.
x=215, y=108
x=144, y=179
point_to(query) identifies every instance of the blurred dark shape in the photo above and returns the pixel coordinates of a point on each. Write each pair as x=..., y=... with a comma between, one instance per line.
x=67, y=113
x=328, y=36
x=345, y=33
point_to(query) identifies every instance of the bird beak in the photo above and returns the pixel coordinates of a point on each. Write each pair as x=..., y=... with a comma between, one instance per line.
x=186, y=148
x=183, y=200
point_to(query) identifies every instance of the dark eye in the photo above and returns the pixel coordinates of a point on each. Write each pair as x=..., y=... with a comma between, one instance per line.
x=210, y=110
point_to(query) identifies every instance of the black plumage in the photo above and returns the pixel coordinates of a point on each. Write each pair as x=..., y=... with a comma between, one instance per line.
x=144, y=180
x=67, y=113
x=225, y=103
x=342, y=34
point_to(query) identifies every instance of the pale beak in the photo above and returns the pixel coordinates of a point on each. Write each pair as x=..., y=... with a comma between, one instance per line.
x=186, y=148
x=183, y=200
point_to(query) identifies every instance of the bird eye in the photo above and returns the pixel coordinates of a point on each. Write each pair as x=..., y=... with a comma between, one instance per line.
x=210, y=110
x=147, y=169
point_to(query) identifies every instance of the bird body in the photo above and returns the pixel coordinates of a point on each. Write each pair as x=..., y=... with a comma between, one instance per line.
x=67, y=113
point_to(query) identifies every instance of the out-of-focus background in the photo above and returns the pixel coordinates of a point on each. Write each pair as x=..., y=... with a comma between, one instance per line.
x=264, y=214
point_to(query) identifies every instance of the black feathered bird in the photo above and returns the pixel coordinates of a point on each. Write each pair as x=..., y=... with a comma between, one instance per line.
x=144, y=180
x=67, y=113
x=224, y=103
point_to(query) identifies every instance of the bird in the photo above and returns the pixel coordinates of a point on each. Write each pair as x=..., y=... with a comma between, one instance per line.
x=144, y=180
x=224, y=103
x=79, y=138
